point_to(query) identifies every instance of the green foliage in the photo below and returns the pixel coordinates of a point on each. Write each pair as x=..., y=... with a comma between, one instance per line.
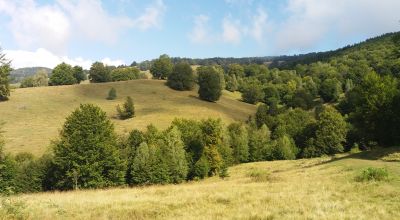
x=99, y=73
x=182, y=77
x=4, y=77
x=373, y=174
x=125, y=73
x=112, y=94
x=175, y=156
x=331, y=130
x=330, y=90
x=201, y=168
x=235, y=70
x=62, y=75
x=78, y=74
x=161, y=67
x=372, y=107
x=210, y=83
x=260, y=144
x=37, y=80
x=231, y=83
x=294, y=123
x=284, y=149
x=127, y=110
x=252, y=92
x=264, y=116
x=161, y=160
x=86, y=156
x=239, y=142
x=8, y=168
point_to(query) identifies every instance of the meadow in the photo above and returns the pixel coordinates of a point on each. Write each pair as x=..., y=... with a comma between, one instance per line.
x=34, y=116
x=319, y=188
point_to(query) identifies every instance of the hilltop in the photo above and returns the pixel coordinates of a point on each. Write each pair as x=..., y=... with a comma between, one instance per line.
x=319, y=188
x=34, y=116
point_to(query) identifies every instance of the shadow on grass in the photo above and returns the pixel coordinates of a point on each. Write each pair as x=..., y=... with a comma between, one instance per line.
x=374, y=154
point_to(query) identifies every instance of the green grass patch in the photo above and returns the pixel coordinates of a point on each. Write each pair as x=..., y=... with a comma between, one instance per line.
x=373, y=174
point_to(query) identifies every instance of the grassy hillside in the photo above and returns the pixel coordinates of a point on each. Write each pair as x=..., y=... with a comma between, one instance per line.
x=33, y=116
x=319, y=188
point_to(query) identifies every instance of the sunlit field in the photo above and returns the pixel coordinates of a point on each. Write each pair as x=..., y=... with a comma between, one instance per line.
x=34, y=116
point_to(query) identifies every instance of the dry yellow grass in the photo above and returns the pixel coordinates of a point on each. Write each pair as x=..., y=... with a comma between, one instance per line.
x=34, y=116
x=321, y=188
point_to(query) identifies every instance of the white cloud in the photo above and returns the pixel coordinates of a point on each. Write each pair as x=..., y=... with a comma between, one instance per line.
x=151, y=17
x=260, y=26
x=200, y=32
x=32, y=25
x=44, y=58
x=52, y=26
x=231, y=32
x=310, y=21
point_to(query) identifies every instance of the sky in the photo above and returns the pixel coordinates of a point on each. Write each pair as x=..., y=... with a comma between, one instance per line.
x=79, y=32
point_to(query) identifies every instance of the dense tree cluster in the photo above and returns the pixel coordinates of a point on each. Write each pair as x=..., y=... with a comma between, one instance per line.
x=65, y=74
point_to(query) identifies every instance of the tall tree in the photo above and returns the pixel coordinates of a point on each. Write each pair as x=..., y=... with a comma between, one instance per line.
x=99, y=73
x=86, y=154
x=127, y=110
x=78, y=74
x=161, y=67
x=330, y=131
x=210, y=83
x=239, y=142
x=4, y=77
x=63, y=74
x=181, y=78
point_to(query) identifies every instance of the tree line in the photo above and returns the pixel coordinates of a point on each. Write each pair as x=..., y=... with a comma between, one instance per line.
x=89, y=154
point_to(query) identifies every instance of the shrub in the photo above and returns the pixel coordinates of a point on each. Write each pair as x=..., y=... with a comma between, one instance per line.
x=62, y=75
x=112, y=94
x=124, y=74
x=210, y=81
x=373, y=174
x=128, y=109
x=181, y=78
x=162, y=67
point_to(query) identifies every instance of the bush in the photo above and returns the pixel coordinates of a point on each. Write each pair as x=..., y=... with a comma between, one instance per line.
x=181, y=78
x=62, y=75
x=210, y=81
x=124, y=74
x=112, y=94
x=373, y=174
x=162, y=67
x=99, y=73
x=128, y=109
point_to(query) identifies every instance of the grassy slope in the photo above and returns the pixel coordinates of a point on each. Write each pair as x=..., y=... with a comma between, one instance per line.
x=33, y=116
x=320, y=188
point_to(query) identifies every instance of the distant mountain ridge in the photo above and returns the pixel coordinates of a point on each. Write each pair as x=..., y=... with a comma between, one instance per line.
x=18, y=74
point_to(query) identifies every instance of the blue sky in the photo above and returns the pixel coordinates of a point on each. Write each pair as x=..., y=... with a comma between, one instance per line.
x=79, y=32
